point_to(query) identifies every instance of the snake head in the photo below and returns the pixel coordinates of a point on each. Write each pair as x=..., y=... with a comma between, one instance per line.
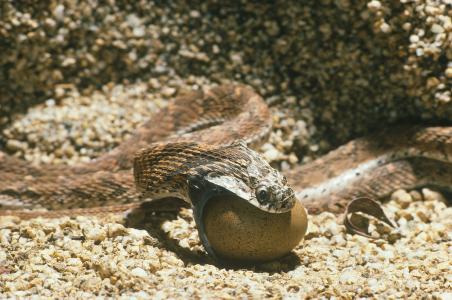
x=236, y=171
x=246, y=174
x=194, y=171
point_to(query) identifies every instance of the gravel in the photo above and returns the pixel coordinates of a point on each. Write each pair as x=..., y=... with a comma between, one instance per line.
x=87, y=257
x=87, y=74
x=341, y=68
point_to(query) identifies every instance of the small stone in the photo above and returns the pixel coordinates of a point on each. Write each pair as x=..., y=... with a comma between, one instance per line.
x=348, y=276
x=215, y=49
x=285, y=166
x=59, y=12
x=402, y=198
x=448, y=72
x=139, y=272
x=432, y=82
x=195, y=14
x=415, y=195
x=430, y=195
x=139, y=31
x=73, y=261
x=385, y=28
x=424, y=218
x=272, y=28
x=115, y=230
x=445, y=296
x=374, y=5
x=68, y=61
x=168, y=91
x=437, y=28
x=14, y=146
x=414, y=38
x=97, y=234
x=270, y=152
x=293, y=159
x=137, y=234
x=407, y=26
x=236, y=58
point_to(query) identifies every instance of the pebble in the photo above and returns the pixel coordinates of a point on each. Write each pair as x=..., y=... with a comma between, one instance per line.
x=384, y=27
x=168, y=91
x=374, y=5
x=448, y=72
x=402, y=197
x=115, y=230
x=15, y=146
x=139, y=272
x=95, y=233
x=430, y=195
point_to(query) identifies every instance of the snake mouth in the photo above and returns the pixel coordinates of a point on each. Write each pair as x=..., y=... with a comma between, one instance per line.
x=281, y=204
x=278, y=210
x=289, y=202
x=202, y=189
x=200, y=192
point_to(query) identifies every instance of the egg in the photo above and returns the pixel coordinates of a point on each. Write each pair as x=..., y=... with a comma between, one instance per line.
x=239, y=231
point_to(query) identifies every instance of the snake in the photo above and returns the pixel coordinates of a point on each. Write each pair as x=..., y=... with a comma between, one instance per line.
x=203, y=144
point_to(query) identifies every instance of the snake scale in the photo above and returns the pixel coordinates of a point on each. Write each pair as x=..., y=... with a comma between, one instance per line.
x=207, y=137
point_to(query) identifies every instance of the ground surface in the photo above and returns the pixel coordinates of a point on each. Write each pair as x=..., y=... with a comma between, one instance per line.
x=86, y=257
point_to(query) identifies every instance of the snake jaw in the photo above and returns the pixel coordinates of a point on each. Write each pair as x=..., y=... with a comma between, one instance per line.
x=205, y=188
x=200, y=191
x=281, y=198
x=232, y=185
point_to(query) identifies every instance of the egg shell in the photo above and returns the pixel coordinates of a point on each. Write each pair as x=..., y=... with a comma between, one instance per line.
x=240, y=231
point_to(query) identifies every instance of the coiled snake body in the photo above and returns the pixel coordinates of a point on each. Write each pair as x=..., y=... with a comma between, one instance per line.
x=196, y=137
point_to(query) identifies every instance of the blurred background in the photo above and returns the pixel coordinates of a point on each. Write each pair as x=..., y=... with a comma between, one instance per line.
x=330, y=69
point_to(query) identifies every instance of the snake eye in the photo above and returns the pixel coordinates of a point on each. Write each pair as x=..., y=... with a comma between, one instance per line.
x=262, y=195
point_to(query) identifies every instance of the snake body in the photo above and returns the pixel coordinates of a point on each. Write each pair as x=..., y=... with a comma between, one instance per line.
x=209, y=135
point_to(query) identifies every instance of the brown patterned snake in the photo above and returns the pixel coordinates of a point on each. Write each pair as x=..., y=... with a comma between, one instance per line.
x=191, y=150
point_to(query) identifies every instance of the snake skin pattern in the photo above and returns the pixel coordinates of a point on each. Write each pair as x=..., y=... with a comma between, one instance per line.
x=208, y=135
